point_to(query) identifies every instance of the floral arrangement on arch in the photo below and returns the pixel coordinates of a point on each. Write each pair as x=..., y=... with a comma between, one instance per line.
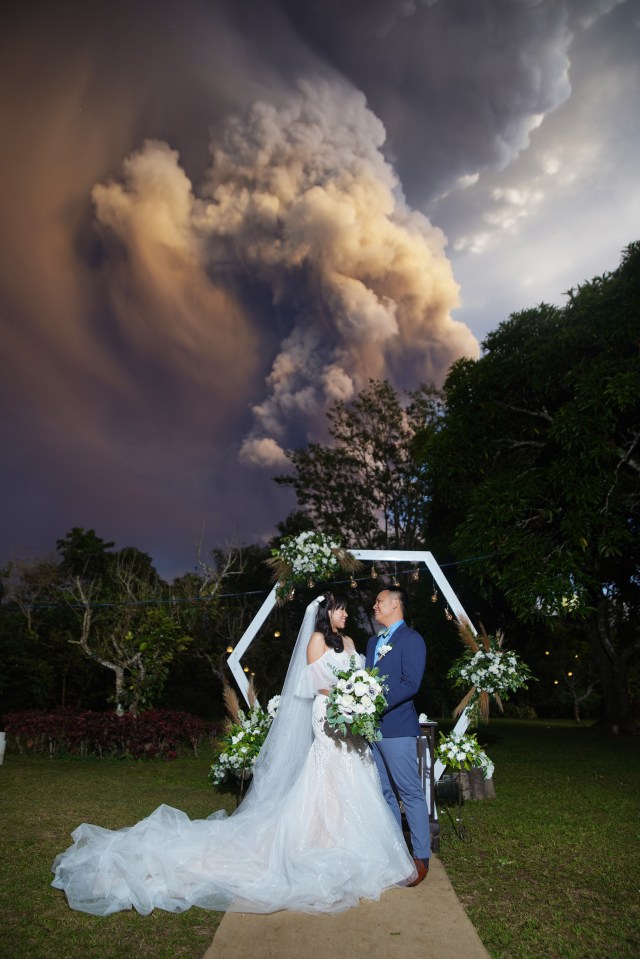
x=308, y=558
x=357, y=701
x=488, y=668
x=243, y=738
x=460, y=751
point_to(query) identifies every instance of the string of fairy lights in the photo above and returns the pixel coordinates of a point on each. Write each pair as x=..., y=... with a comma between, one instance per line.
x=391, y=577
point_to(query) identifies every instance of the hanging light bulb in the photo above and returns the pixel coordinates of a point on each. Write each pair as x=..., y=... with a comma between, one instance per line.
x=353, y=583
x=292, y=593
x=374, y=573
x=229, y=649
x=415, y=575
x=276, y=633
x=448, y=614
x=310, y=583
x=396, y=581
x=434, y=595
x=246, y=669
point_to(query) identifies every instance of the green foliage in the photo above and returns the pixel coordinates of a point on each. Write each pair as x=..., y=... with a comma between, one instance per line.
x=88, y=612
x=549, y=868
x=43, y=800
x=84, y=553
x=94, y=626
x=368, y=486
x=458, y=752
x=153, y=642
x=240, y=745
x=495, y=671
x=537, y=461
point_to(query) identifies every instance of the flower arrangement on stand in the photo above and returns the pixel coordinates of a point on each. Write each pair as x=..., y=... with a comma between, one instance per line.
x=461, y=753
x=490, y=670
x=356, y=703
x=243, y=738
x=306, y=559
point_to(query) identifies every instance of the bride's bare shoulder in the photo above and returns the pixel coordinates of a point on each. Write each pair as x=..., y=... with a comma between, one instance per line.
x=316, y=648
x=349, y=644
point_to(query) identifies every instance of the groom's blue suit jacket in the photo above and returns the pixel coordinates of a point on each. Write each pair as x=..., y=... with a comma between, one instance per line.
x=404, y=667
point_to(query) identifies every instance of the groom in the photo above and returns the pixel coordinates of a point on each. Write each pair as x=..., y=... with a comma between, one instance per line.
x=400, y=654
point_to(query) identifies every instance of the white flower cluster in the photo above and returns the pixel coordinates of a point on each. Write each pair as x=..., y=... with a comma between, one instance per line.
x=493, y=672
x=356, y=696
x=356, y=702
x=460, y=751
x=243, y=741
x=310, y=554
x=272, y=706
x=486, y=765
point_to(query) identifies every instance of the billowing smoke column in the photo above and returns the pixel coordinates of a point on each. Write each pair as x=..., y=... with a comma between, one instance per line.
x=300, y=197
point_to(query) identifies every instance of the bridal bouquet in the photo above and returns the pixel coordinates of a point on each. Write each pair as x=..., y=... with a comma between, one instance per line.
x=357, y=701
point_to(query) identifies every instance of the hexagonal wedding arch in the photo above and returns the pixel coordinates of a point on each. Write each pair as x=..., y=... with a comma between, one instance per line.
x=383, y=555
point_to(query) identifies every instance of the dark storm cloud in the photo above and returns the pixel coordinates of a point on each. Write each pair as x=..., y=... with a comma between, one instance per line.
x=124, y=370
x=458, y=85
x=214, y=224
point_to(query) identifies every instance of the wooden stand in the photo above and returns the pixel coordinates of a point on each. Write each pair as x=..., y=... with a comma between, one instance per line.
x=426, y=744
x=473, y=785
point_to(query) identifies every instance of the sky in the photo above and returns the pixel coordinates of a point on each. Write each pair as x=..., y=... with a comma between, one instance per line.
x=217, y=218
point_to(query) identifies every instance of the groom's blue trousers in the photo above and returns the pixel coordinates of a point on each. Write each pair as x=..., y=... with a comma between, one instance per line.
x=397, y=764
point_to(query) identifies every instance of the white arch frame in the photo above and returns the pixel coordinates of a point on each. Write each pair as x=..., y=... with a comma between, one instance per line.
x=382, y=555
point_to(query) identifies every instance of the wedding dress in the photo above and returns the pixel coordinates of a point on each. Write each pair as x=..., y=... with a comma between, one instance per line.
x=314, y=832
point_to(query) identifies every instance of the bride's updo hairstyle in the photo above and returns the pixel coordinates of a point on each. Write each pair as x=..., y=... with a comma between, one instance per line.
x=323, y=623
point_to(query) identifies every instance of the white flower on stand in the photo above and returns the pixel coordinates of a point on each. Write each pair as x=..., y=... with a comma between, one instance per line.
x=463, y=751
x=485, y=765
x=243, y=741
x=488, y=668
x=272, y=706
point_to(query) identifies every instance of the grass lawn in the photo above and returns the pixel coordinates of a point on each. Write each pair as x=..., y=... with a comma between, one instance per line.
x=550, y=869
x=41, y=801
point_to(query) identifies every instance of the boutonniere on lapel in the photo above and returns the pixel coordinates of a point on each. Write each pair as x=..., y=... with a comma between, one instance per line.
x=384, y=649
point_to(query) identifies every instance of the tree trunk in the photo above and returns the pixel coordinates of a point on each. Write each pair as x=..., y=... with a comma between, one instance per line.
x=613, y=670
x=119, y=672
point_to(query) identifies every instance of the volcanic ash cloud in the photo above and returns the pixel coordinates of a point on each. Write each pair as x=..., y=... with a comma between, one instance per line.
x=303, y=196
x=300, y=198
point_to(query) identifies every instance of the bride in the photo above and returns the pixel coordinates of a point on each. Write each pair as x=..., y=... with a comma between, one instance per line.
x=313, y=833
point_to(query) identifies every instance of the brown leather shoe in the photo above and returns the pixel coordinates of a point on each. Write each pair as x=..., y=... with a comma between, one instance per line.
x=423, y=870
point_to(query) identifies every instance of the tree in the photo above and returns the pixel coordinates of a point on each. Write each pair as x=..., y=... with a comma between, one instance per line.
x=126, y=625
x=83, y=553
x=38, y=666
x=537, y=460
x=368, y=487
x=217, y=604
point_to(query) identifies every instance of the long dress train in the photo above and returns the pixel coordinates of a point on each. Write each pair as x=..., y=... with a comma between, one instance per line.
x=328, y=842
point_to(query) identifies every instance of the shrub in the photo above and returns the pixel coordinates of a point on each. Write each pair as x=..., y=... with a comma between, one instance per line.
x=156, y=733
